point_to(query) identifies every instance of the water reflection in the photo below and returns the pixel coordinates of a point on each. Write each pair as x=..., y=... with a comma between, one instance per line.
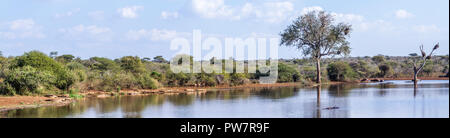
x=390, y=99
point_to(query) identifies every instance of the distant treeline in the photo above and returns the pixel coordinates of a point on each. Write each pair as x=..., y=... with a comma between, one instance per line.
x=39, y=73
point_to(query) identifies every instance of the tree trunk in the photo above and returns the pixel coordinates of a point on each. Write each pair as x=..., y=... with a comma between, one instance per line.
x=415, y=79
x=318, y=79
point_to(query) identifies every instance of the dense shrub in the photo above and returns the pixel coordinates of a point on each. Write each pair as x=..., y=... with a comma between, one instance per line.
x=65, y=58
x=43, y=63
x=385, y=70
x=132, y=64
x=287, y=73
x=27, y=80
x=75, y=66
x=379, y=59
x=363, y=69
x=177, y=79
x=205, y=79
x=238, y=79
x=147, y=82
x=340, y=71
x=101, y=64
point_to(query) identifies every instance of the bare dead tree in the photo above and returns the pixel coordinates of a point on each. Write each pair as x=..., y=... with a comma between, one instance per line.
x=424, y=59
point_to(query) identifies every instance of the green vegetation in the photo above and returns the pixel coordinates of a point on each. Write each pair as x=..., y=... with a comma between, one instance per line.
x=35, y=73
x=340, y=71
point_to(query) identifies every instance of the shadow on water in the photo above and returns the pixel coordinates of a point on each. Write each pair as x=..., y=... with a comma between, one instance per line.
x=327, y=101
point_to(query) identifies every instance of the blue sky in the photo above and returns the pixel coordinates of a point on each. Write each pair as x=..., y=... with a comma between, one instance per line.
x=115, y=28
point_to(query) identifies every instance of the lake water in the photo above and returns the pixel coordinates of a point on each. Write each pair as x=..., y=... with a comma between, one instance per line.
x=391, y=99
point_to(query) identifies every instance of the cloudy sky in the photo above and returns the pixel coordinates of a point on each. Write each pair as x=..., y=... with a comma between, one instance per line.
x=115, y=28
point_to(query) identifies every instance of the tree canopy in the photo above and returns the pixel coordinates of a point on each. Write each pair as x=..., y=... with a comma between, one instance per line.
x=317, y=36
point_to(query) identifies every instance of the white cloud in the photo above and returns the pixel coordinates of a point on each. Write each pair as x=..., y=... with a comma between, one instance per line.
x=378, y=25
x=130, y=11
x=271, y=12
x=340, y=17
x=426, y=28
x=67, y=14
x=154, y=34
x=212, y=8
x=276, y=11
x=311, y=9
x=359, y=23
x=403, y=14
x=347, y=17
x=169, y=15
x=97, y=15
x=22, y=28
x=87, y=32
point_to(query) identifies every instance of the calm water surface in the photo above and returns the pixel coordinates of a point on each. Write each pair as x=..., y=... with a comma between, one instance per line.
x=391, y=99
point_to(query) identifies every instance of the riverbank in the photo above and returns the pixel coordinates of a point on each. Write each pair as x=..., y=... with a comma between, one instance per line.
x=21, y=102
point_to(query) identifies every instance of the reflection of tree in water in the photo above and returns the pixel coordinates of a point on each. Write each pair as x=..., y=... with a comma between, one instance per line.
x=133, y=106
x=341, y=90
x=278, y=93
x=181, y=99
x=47, y=112
x=325, y=97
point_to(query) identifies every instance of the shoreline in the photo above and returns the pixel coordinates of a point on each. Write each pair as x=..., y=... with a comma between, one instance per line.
x=22, y=102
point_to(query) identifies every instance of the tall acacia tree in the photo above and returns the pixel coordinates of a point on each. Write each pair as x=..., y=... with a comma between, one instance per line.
x=317, y=36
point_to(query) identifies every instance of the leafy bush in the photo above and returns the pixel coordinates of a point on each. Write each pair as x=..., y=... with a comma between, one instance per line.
x=101, y=64
x=363, y=69
x=205, y=79
x=378, y=59
x=385, y=70
x=27, y=80
x=132, y=64
x=75, y=66
x=237, y=79
x=147, y=82
x=43, y=63
x=7, y=89
x=177, y=79
x=287, y=73
x=340, y=71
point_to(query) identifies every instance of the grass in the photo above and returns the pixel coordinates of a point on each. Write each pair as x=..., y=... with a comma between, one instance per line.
x=76, y=96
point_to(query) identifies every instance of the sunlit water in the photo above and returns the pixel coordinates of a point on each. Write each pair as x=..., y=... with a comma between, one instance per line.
x=391, y=99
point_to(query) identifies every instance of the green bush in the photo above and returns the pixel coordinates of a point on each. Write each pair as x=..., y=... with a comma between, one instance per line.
x=385, y=71
x=379, y=59
x=101, y=64
x=43, y=63
x=147, y=82
x=205, y=79
x=237, y=79
x=340, y=71
x=363, y=69
x=177, y=79
x=287, y=73
x=132, y=64
x=27, y=80
x=7, y=89
x=75, y=66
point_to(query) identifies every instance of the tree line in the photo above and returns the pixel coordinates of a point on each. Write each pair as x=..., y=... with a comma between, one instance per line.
x=37, y=73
